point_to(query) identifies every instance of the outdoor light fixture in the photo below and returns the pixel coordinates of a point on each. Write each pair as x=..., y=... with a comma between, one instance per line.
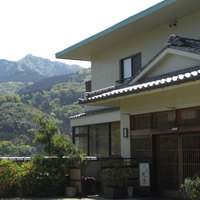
x=125, y=132
x=173, y=24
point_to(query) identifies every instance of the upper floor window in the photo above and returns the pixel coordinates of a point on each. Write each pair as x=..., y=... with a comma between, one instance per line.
x=130, y=66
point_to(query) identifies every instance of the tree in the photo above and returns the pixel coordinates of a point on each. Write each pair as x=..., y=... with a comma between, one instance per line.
x=54, y=142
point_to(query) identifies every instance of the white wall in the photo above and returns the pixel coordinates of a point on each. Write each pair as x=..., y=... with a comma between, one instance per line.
x=105, y=67
x=172, y=63
x=125, y=142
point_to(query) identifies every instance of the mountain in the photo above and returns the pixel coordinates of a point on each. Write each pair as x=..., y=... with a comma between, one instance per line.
x=30, y=70
x=33, y=69
x=46, y=84
x=46, y=67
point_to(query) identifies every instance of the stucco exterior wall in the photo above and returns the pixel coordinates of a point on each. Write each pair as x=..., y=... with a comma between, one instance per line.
x=125, y=142
x=172, y=63
x=181, y=96
x=105, y=67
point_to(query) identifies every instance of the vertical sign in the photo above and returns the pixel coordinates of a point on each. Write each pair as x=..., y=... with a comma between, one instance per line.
x=144, y=174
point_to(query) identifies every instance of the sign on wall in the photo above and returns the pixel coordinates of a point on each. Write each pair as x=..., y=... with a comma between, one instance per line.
x=144, y=174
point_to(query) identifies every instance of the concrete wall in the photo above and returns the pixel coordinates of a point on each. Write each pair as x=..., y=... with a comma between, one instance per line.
x=105, y=67
x=172, y=63
x=125, y=142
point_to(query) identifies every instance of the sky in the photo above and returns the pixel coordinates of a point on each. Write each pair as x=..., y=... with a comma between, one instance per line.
x=45, y=27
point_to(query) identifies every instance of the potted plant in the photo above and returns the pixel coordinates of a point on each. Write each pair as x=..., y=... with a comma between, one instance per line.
x=114, y=181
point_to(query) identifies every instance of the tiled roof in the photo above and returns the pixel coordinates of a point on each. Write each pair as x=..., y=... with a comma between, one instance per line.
x=178, y=43
x=178, y=77
x=174, y=42
x=94, y=112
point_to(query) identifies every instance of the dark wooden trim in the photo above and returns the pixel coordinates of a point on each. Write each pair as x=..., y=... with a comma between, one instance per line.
x=180, y=160
x=109, y=138
x=121, y=70
x=154, y=165
x=153, y=116
x=88, y=140
x=132, y=57
x=80, y=134
x=165, y=131
x=73, y=135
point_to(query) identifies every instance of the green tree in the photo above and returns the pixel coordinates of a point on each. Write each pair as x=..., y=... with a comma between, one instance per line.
x=8, y=149
x=54, y=142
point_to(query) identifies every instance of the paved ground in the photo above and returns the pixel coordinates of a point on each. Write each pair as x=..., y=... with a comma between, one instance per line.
x=94, y=198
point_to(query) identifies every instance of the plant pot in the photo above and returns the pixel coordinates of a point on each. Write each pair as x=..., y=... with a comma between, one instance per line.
x=114, y=193
x=130, y=191
x=71, y=191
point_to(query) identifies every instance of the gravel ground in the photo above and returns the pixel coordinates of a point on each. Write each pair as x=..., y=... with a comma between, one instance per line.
x=93, y=198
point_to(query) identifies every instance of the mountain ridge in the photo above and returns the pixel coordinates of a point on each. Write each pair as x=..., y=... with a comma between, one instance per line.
x=41, y=68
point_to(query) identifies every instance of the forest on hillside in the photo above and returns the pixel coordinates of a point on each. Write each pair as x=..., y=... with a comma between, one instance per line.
x=17, y=112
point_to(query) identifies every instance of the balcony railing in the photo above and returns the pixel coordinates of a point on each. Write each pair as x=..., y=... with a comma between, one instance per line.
x=123, y=81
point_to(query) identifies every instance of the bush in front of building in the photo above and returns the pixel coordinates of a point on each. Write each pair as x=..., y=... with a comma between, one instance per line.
x=46, y=177
x=10, y=173
x=39, y=177
x=191, y=188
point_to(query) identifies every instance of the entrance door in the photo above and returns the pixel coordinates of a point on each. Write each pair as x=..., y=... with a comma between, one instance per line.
x=177, y=157
x=167, y=163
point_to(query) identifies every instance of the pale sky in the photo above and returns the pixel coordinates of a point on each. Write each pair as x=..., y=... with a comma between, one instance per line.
x=45, y=27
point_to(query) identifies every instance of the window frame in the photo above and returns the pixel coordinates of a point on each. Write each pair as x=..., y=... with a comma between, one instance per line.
x=133, y=71
x=87, y=134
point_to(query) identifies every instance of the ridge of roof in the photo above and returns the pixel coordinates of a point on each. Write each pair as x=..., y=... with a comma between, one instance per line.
x=121, y=24
x=186, y=75
x=93, y=112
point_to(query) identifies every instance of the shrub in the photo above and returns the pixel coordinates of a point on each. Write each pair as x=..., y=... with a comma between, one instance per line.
x=191, y=188
x=116, y=175
x=9, y=178
x=39, y=177
x=46, y=177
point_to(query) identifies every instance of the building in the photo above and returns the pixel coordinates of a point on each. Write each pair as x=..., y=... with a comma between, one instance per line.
x=144, y=100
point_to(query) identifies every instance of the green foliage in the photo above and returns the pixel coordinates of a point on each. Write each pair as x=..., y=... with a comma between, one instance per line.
x=7, y=148
x=46, y=177
x=10, y=174
x=54, y=142
x=191, y=188
x=116, y=175
x=11, y=87
x=41, y=177
x=45, y=134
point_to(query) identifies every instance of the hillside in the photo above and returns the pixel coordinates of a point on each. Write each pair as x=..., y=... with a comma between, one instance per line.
x=58, y=102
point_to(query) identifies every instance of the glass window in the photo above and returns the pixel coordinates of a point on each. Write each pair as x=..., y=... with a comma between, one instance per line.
x=141, y=122
x=103, y=139
x=93, y=141
x=115, y=139
x=127, y=68
x=81, y=138
x=130, y=66
x=81, y=143
x=165, y=120
x=99, y=139
x=189, y=117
